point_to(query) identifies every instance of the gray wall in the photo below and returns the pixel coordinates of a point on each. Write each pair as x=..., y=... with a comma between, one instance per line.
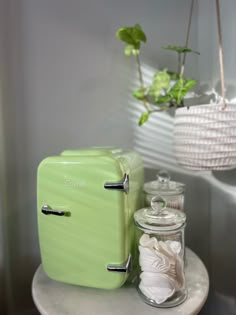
x=222, y=195
x=208, y=44
x=69, y=87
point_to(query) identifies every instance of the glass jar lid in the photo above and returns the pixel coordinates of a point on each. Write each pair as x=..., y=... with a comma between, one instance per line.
x=163, y=185
x=159, y=217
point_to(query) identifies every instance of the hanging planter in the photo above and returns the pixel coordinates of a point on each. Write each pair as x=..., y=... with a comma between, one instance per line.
x=205, y=135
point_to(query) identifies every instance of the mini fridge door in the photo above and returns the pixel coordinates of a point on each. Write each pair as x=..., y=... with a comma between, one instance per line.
x=82, y=222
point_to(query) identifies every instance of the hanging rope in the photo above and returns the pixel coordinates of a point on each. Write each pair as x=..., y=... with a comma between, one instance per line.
x=187, y=37
x=222, y=77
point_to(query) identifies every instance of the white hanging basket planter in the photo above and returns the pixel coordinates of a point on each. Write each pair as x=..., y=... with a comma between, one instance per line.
x=205, y=137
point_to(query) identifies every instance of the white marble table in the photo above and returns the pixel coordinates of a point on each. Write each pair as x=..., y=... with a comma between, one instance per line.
x=54, y=298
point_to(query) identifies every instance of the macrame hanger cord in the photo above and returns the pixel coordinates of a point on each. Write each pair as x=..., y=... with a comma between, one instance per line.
x=187, y=37
x=222, y=77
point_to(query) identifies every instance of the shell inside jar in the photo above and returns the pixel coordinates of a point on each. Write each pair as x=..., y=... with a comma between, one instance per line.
x=162, y=268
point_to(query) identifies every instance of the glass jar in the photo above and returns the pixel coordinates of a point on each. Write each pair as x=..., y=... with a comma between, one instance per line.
x=161, y=280
x=172, y=191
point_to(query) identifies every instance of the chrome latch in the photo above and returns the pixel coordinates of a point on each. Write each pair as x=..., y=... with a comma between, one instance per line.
x=126, y=267
x=48, y=210
x=122, y=185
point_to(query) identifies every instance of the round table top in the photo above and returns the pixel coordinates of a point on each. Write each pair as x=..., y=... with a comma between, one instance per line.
x=55, y=298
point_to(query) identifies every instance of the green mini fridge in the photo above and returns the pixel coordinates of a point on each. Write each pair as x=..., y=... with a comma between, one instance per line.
x=85, y=202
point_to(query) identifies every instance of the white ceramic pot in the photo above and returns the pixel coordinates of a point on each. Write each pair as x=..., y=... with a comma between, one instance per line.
x=205, y=137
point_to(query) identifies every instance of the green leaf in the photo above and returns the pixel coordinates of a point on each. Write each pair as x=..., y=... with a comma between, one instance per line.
x=138, y=34
x=125, y=35
x=176, y=90
x=139, y=94
x=154, y=91
x=163, y=99
x=180, y=49
x=143, y=118
x=189, y=84
x=132, y=35
x=161, y=81
x=177, y=86
x=181, y=88
x=173, y=75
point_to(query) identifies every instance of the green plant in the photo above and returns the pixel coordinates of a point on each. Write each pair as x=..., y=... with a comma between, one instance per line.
x=168, y=88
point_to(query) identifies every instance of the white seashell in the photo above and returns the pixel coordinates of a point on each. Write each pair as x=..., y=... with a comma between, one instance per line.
x=153, y=261
x=166, y=250
x=157, y=286
x=174, y=246
x=172, y=271
x=156, y=294
x=147, y=241
x=162, y=268
x=176, y=272
x=159, y=280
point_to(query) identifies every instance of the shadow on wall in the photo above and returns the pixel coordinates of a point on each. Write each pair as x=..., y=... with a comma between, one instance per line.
x=154, y=139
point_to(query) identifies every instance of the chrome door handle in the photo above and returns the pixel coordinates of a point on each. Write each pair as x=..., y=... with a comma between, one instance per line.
x=48, y=210
x=126, y=267
x=122, y=185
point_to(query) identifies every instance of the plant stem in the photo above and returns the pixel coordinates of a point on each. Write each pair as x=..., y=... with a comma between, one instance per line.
x=140, y=75
x=154, y=111
x=179, y=62
x=159, y=110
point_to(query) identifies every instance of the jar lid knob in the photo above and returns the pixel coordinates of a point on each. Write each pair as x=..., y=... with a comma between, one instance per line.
x=163, y=177
x=158, y=204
